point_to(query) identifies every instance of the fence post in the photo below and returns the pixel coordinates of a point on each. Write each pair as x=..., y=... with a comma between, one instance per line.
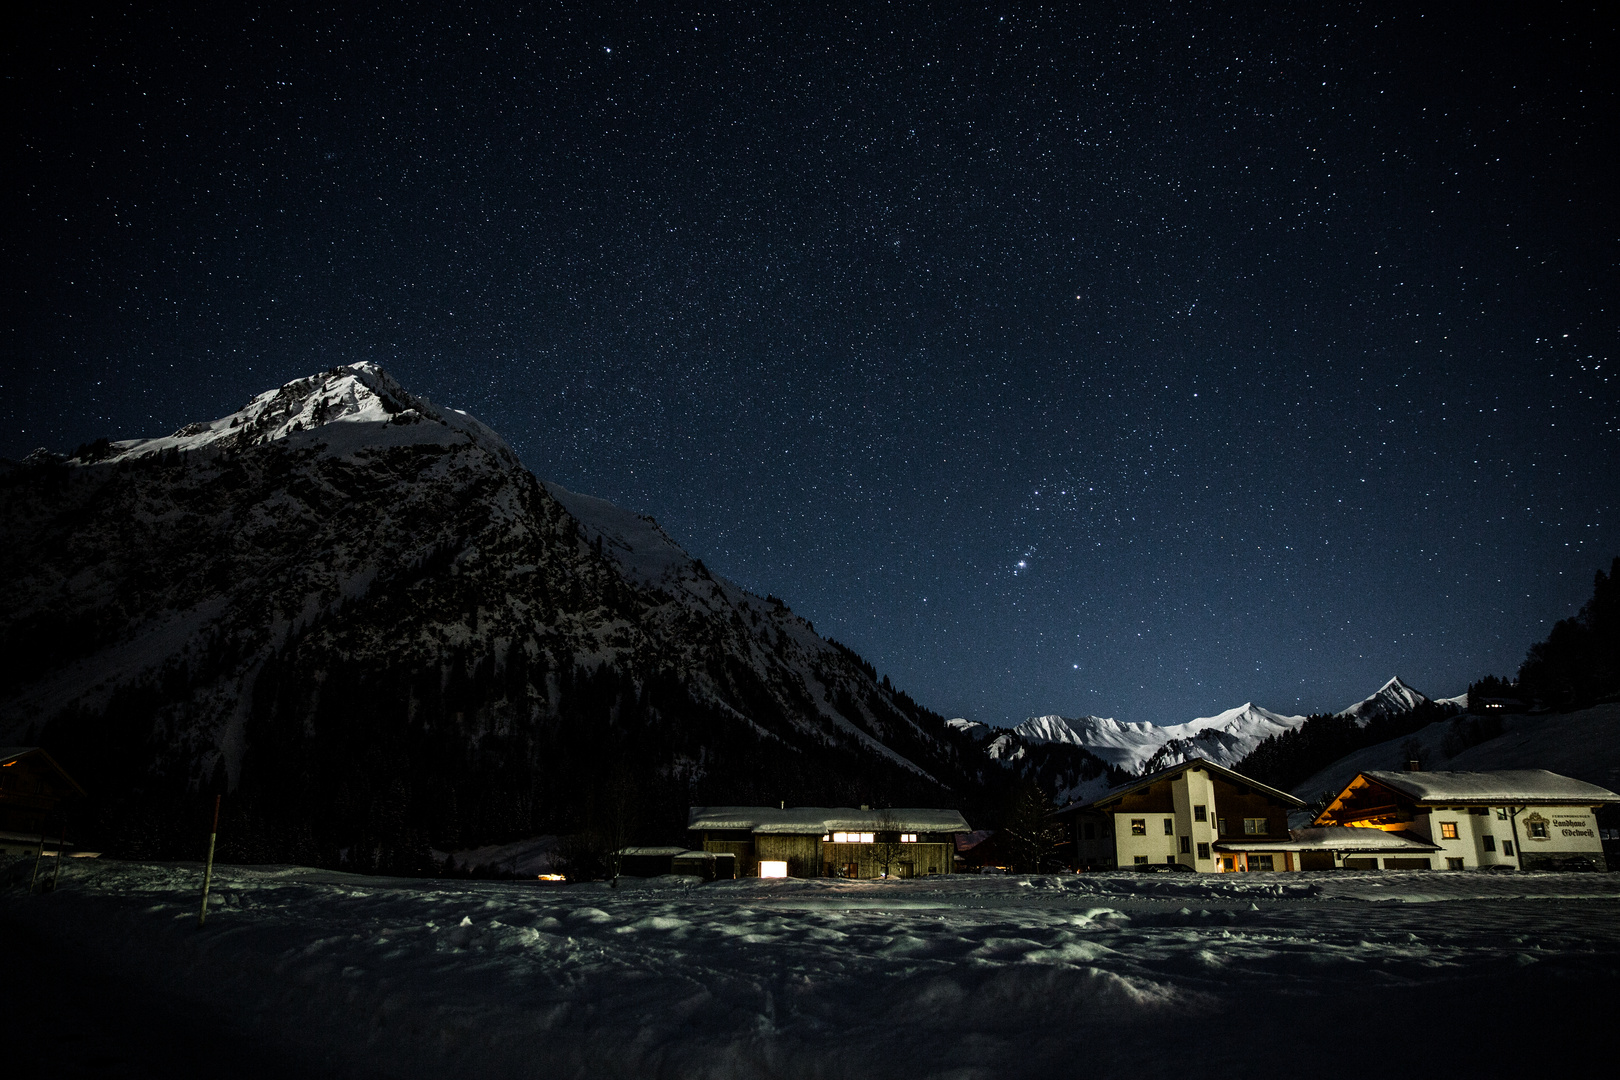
x=61, y=853
x=39, y=853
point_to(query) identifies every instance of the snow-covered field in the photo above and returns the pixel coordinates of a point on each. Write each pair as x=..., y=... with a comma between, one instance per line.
x=960, y=977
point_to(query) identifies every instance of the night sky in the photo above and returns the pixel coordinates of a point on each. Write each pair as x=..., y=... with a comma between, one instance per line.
x=1132, y=359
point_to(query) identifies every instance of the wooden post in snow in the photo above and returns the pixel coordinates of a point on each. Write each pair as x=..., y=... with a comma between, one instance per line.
x=208, y=868
x=39, y=853
x=61, y=853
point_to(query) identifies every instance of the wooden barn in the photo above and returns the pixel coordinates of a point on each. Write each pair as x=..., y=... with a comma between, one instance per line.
x=820, y=841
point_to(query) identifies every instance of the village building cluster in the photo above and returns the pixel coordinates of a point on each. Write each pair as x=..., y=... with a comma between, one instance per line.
x=1195, y=816
x=1202, y=817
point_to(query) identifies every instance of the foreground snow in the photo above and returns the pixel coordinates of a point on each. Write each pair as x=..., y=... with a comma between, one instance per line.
x=960, y=977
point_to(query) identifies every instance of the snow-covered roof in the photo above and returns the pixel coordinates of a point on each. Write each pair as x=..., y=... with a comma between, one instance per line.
x=1347, y=838
x=1191, y=763
x=1503, y=786
x=655, y=852
x=817, y=820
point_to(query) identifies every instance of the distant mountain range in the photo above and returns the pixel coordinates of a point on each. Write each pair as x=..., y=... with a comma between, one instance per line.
x=1225, y=738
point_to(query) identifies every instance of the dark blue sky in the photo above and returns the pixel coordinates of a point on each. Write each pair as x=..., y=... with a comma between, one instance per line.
x=1133, y=360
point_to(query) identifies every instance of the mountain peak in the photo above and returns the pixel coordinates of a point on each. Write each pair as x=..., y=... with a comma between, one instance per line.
x=341, y=409
x=1393, y=697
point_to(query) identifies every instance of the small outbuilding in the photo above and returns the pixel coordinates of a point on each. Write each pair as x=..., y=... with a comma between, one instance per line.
x=647, y=862
x=35, y=793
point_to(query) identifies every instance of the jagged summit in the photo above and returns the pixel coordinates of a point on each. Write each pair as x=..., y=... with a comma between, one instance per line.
x=341, y=409
x=1393, y=697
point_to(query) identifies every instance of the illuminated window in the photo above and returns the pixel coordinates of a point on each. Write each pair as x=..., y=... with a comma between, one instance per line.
x=826, y=838
x=772, y=868
x=1200, y=813
x=1138, y=826
x=1169, y=826
x=840, y=837
x=1254, y=826
x=1448, y=830
x=867, y=838
x=908, y=838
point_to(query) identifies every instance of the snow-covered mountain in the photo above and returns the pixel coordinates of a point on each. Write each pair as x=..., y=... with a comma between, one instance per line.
x=1063, y=768
x=359, y=613
x=1225, y=738
x=1392, y=698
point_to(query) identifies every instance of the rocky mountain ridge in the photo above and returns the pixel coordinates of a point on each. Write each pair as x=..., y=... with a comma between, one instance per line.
x=361, y=617
x=1225, y=738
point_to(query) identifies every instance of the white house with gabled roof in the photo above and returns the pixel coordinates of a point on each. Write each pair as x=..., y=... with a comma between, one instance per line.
x=1526, y=819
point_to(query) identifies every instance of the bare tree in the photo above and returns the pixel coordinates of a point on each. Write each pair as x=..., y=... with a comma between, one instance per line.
x=886, y=832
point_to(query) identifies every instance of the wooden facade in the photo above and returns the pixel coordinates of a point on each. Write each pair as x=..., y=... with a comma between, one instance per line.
x=1526, y=819
x=831, y=842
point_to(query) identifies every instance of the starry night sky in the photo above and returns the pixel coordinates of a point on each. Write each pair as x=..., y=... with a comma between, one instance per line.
x=1132, y=359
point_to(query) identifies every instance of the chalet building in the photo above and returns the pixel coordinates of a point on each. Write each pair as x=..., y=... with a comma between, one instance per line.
x=1525, y=819
x=819, y=841
x=1197, y=815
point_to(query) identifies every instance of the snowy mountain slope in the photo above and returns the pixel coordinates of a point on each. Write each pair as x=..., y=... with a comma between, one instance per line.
x=1391, y=698
x=361, y=611
x=1065, y=770
x=779, y=643
x=1584, y=745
